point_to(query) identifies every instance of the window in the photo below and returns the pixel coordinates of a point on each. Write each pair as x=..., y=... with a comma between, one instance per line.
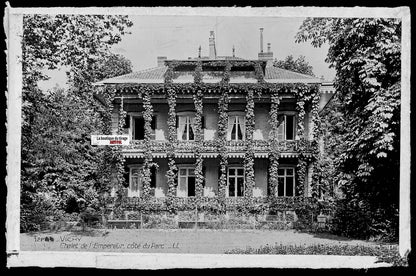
x=286, y=182
x=135, y=185
x=186, y=181
x=137, y=125
x=136, y=181
x=235, y=181
x=286, y=127
x=185, y=127
x=236, y=127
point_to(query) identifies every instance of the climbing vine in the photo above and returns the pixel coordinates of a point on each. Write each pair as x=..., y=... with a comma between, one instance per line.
x=199, y=177
x=222, y=140
x=172, y=138
x=274, y=149
x=148, y=157
x=249, y=154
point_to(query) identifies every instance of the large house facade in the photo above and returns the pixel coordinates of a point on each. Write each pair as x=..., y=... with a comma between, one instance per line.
x=216, y=128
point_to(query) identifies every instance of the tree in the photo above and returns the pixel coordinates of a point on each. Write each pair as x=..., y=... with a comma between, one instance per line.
x=299, y=65
x=59, y=166
x=363, y=119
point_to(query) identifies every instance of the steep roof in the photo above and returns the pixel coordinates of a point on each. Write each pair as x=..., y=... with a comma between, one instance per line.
x=156, y=75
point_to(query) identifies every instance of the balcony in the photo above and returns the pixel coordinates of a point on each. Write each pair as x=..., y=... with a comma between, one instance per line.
x=210, y=149
x=230, y=204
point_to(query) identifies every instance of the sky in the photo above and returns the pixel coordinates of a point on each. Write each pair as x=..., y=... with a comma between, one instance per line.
x=179, y=37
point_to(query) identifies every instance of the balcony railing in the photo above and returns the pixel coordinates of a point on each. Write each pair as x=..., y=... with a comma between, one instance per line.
x=212, y=146
x=209, y=203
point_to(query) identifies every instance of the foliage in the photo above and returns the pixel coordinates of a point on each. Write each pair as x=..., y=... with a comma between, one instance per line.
x=58, y=160
x=249, y=153
x=381, y=251
x=299, y=65
x=363, y=119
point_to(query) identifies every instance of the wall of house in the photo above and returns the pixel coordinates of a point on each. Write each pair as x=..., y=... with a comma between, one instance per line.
x=210, y=113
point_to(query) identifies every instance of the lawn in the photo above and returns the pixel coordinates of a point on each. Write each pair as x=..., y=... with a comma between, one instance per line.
x=178, y=240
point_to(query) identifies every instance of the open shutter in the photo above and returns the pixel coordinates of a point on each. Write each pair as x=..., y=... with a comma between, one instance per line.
x=231, y=120
x=127, y=122
x=204, y=169
x=281, y=128
x=181, y=122
x=154, y=122
x=202, y=122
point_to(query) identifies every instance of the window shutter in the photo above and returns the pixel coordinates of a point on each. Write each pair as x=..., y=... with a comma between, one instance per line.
x=177, y=121
x=202, y=122
x=231, y=120
x=153, y=177
x=154, y=122
x=281, y=128
x=204, y=169
x=127, y=122
x=290, y=127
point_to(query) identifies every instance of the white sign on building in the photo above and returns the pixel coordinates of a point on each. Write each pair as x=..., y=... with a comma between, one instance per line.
x=110, y=140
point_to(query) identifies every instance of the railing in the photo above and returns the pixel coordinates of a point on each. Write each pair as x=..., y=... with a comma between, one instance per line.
x=212, y=203
x=212, y=146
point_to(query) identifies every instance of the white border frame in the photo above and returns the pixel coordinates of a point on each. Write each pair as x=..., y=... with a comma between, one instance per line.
x=13, y=27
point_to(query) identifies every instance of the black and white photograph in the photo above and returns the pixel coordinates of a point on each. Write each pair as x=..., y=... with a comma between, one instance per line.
x=181, y=137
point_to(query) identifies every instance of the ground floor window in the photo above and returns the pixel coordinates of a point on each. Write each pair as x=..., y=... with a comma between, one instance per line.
x=235, y=181
x=136, y=181
x=286, y=181
x=186, y=181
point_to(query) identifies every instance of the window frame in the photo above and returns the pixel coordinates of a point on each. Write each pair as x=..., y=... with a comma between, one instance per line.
x=235, y=177
x=130, y=192
x=139, y=167
x=188, y=115
x=187, y=168
x=295, y=120
x=285, y=168
x=239, y=115
x=132, y=117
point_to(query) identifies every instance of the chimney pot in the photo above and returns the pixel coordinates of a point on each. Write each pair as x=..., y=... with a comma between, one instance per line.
x=161, y=61
x=212, y=50
x=261, y=40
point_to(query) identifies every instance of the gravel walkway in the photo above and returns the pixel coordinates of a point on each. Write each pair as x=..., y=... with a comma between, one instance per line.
x=173, y=241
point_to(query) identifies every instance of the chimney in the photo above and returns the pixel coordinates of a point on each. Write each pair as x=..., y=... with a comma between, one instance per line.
x=212, y=50
x=233, y=51
x=268, y=47
x=161, y=61
x=261, y=40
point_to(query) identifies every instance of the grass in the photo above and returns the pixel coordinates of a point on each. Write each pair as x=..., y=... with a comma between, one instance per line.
x=385, y=253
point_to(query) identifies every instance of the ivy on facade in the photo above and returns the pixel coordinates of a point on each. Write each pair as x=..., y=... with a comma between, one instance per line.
x=274, y=149
x=307, y=97
x=148, y=157
x=249, y=152
x=199, y=177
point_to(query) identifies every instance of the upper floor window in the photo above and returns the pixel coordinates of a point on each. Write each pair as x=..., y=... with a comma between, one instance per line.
x=186, y=126
x=236, y=127
x=137, y=126
x=235, y=181
x=286, y=181
x=286, y=127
